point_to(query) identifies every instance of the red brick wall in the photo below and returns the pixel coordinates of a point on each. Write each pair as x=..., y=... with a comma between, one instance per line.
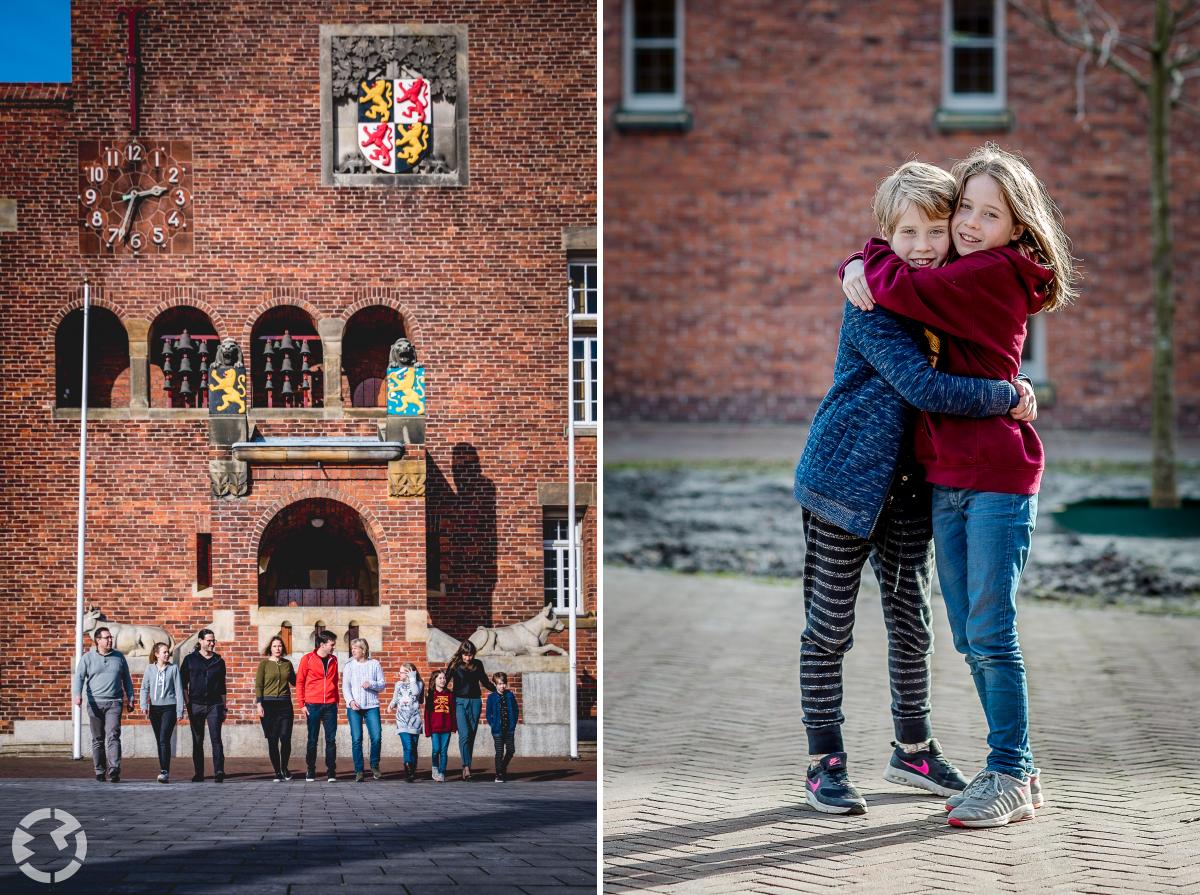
x=479, y=274
x=721, y=244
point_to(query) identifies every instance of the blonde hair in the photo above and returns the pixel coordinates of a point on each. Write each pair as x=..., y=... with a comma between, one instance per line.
x=1031, y=207
x=366, y=647
x=928, y=187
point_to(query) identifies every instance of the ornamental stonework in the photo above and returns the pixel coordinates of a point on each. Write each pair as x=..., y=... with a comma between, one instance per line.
x=394, y=105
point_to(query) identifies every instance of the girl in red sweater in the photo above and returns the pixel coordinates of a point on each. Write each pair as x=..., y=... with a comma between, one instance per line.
x=1014, y=260
x=439, y=722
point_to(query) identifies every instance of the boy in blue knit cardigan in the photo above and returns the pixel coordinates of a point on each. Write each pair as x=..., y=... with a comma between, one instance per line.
x=502, y=717
x=864, y=497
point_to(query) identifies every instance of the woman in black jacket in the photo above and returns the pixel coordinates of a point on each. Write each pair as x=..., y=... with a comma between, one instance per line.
x=466, y=675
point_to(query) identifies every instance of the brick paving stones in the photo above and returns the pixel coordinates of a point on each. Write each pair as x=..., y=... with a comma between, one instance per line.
x=704, y=751
x=306, y=838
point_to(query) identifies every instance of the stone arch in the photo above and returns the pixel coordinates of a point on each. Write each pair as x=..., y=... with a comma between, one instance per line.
x=411, y=324
x=174, y=319
x=279, y=378
x=304, y=492
x=108, y=357
x=218, y=320
x=316, y=551
x=366, y=343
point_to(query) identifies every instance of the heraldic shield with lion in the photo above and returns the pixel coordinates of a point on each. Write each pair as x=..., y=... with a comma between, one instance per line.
x=394, y=119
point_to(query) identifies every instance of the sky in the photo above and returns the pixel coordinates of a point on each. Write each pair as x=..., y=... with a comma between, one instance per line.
x=35, y=41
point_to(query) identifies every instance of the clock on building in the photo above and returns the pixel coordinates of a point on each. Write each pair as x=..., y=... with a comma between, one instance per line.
x=135, y=196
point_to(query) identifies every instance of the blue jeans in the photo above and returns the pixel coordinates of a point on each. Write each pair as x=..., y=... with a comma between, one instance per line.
x=982, y=540
x=356, y=717
x=441, y=746
x=409, y=742
x=318, y=716
x=467, y=711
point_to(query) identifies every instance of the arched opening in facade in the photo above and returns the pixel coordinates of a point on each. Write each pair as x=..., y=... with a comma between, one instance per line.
x=108, y=360
x=366, y=342
x=286, y=361
x=316, y=552
x=182, y=344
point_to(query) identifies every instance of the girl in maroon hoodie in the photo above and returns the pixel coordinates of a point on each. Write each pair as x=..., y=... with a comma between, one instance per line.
x=1014, y=261
x=439, y=718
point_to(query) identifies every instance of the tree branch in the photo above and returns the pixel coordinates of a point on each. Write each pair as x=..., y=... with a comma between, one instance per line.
x=1102, y=52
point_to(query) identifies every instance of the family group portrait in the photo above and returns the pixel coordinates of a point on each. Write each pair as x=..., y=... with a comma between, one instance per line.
x=612, y=446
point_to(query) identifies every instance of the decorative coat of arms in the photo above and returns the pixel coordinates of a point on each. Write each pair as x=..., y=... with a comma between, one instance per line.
x=227, y=381
x=394, y=121
x=405, y=381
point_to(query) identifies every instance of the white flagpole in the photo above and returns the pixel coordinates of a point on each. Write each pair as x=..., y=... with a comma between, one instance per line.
x=572, y=570
x=77, y=711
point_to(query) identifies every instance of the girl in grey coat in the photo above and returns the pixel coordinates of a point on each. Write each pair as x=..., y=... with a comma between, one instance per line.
x=162, y=699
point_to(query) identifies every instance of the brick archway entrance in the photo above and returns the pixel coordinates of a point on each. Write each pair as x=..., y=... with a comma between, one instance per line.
x=316, y=552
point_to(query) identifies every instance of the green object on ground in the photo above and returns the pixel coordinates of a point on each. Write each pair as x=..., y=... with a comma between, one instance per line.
x=1130, y=517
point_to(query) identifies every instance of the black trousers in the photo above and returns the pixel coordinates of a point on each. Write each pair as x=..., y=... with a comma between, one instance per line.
x=276, y=723
x=211, y=716
x=163, y=719
x=506, y=746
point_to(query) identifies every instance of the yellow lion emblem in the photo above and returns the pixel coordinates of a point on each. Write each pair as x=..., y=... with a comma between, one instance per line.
x=405, y=389
x=231, y=387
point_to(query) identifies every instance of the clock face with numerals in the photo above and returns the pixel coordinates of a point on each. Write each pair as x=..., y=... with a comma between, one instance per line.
x=135, y=196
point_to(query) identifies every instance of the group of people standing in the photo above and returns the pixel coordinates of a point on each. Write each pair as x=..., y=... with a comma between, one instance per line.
x=197, y=688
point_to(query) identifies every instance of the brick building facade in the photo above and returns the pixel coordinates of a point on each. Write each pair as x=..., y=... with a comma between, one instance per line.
x=473, y=272
x=733, y=192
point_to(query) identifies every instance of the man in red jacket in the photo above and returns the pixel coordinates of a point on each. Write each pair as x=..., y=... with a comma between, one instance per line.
x=317, y=690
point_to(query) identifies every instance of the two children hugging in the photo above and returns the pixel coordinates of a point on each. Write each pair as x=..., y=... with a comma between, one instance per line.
x=925, y=438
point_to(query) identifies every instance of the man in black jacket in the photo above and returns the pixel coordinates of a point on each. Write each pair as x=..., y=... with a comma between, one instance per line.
x=203, y=676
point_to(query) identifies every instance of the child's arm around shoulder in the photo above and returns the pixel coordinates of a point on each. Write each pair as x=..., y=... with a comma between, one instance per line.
x=965, y=298
x=886, y=345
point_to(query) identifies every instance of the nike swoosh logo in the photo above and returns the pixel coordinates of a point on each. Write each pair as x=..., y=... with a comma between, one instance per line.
x=813, y=785
x=922, y=768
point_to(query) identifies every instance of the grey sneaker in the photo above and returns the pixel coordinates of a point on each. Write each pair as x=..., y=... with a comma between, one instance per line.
x=1035, y=793
x=992, y=800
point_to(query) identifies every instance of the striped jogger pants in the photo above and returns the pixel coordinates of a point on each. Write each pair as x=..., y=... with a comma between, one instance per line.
x=901, y=554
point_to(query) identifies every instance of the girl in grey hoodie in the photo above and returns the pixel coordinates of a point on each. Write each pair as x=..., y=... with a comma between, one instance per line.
x=162, y=699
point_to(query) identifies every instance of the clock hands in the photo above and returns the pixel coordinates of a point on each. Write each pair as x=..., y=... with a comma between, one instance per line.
x=132, y=198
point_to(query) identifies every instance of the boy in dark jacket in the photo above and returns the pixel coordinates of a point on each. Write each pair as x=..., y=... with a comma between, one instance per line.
x=502, y=717
x=864, y=498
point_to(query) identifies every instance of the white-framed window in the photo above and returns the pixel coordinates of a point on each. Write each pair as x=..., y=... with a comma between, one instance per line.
x=585, y=373
x=652, y=55
x=555, y=548
x=1033, y=355
x=973, y=55
x=585, y=296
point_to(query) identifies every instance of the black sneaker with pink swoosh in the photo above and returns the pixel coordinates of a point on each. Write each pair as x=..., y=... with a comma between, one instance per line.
x=927, y=769
x=827, y=787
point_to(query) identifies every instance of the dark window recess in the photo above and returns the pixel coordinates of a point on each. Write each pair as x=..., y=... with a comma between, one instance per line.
x=433, y=553
x=654, y=70
x=974, y=70
x=203, y=561
x=654, y=18
x=974, y=18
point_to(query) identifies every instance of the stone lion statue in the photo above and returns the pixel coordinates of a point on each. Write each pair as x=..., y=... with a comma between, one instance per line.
x=132, y=640
x=228, y=354
x=403, y=354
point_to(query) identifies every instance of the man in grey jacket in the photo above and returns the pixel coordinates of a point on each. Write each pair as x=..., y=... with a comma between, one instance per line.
x=104, y=673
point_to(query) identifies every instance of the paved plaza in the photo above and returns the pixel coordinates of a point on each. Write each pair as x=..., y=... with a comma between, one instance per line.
x=704, y=751
x=255, y=836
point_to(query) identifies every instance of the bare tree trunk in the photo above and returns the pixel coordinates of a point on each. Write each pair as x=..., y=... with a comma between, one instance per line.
x=1164, y=492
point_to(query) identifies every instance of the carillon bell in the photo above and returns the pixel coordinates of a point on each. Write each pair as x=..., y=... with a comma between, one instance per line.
x=304, y=348
x=167, y=369
x=185, y=387
x=185, y=364
x=168, y=348
x=286, y=366
x=287, y=344
x=268, y=367
x=270, y=385
x=287, y=388
x=268, y=349
x=185, y=342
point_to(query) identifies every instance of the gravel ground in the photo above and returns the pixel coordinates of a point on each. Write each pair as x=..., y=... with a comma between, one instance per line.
x=740, y=519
